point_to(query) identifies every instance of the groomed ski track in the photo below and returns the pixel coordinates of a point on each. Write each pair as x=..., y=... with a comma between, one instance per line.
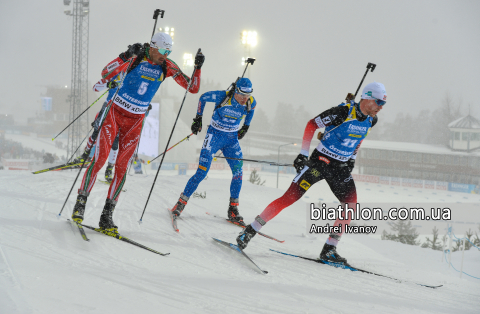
x=46, y=267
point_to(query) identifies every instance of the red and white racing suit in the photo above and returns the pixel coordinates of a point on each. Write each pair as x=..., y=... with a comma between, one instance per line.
x=126, y=114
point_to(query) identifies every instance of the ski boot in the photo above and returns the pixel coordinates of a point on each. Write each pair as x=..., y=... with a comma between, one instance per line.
x=329, y=254
x=82, y=158
x=245, y=236
x=79, y=208
x=233, y=214
x=108, y=173
x=180, y=206
x=106, y=220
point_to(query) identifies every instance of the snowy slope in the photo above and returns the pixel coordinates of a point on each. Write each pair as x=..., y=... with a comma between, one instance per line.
x=45, y=266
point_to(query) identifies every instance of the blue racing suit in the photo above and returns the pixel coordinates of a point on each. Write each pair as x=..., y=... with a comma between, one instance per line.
x=222, y=134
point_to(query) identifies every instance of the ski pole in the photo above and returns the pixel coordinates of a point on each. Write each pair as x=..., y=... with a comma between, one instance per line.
x=231, y=88
x=350, y=97
x=80, y=115
x=248, y=61
x=186, y=138
x=168, y=142
x=371, y=67
x=80, y=145
x=254, y=160
x=107, y=109
x=155, y=17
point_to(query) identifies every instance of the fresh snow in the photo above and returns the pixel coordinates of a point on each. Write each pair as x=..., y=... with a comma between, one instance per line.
x=46, y=267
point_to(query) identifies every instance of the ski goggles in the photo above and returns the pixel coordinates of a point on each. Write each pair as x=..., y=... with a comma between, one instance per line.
x=164, y=51
x=380, y=102
x=244, y=90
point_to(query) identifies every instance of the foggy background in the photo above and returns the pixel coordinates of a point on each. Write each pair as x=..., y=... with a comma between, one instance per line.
x=309, y=53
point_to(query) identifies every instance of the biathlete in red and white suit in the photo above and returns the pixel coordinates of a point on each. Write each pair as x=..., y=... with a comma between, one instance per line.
x=125, y=115
x=333, y=160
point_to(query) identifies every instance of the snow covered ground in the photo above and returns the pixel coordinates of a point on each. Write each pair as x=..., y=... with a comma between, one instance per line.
x=45, y=266
x=39, y=143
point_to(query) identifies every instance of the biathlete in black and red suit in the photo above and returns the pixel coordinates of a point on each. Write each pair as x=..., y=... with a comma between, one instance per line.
x=333, y=160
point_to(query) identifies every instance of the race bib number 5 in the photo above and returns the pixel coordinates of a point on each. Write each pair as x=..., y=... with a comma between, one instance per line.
x=143, y=88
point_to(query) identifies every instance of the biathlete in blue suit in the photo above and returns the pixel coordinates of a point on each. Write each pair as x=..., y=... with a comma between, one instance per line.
x=222, y=134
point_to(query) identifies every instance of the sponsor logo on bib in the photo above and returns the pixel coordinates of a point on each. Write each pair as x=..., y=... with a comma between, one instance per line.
x=305, y=185
x=326, y=160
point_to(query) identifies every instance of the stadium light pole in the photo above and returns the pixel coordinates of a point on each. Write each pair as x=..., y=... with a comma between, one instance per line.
x=249, y=40
x=170, y=31
x=187, y=61
x=278, y=158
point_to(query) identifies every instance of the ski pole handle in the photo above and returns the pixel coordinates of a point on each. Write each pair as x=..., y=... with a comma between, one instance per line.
x=155, y=17
x=370, y=66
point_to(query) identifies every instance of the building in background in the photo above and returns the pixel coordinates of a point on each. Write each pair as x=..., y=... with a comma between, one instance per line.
x=465, y=134
x=418, y=161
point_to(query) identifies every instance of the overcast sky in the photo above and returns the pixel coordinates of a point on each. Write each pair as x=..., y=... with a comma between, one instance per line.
x=309, y=53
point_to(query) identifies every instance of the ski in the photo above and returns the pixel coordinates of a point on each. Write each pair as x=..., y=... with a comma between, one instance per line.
x=122, y=238
x=108, y=183
x=66, y=166
x=260, y=233
x=352, y=268
x=80, y=229
x=239, y=250
x=174, y=220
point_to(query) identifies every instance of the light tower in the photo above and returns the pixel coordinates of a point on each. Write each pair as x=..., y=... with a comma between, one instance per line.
x=187, y=61
x=79, y=86
x=163, y=92
x=168, y=30
x=249, y=40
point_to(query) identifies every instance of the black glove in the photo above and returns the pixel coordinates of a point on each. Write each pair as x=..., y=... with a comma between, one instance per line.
x=199, y=59
x=132, y=49
x=149, y=107
x=197, y=124
x=112, y=84
x=243, y=131
x=350, y=164
x=300, y=162
x=135, y=49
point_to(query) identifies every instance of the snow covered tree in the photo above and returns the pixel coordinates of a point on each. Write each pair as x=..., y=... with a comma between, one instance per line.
x=302, y=116
x=255, y=178
x=434, y=244
x=260, y=122
x=405, y=233
x=283, y=120
x=468, y=244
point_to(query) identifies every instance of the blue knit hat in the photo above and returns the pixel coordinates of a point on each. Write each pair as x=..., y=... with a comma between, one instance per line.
x=244, y=86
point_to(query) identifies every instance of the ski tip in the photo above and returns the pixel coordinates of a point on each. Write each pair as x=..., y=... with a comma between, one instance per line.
x=148, y=162
x=265, y=272
x=53, y=139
